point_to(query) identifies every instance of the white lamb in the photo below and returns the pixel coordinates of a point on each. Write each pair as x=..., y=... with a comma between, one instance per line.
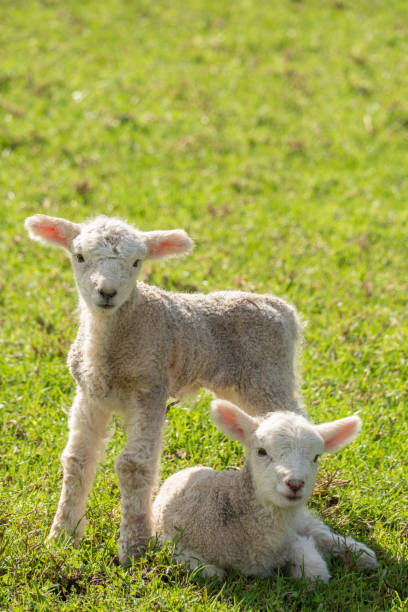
x=137, y=345
x=255, y=519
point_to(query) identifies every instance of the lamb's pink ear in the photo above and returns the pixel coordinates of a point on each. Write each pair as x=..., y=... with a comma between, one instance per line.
x=167, y=243
x=337, y=434
x=232, y=421
x=52, y=230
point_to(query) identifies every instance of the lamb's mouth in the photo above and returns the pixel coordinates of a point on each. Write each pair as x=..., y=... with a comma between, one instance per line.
x=106, y=306
x=293, y=498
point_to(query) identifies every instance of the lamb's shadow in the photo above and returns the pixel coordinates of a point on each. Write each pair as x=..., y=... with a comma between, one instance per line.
x=351, y=587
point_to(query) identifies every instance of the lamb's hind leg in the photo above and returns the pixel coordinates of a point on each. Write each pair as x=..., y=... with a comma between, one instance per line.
x=331, y=542
x=266, y=377
x=137, y=468
x=194, y=561
x=87, y=434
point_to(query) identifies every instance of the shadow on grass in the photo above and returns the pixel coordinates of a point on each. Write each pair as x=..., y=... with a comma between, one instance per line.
x=67, y=575
x=351, y=588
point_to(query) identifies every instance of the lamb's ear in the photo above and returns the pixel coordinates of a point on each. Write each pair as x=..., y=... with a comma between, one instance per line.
x=337, y=434
x=167, y=243
x=232, y=421
x=52, y=230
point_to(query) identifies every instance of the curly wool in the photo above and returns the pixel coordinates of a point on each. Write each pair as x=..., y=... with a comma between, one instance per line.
x=255, y=519
x=137, y=345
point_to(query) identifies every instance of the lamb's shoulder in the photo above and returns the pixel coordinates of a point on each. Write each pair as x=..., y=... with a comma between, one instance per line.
x=178, y=315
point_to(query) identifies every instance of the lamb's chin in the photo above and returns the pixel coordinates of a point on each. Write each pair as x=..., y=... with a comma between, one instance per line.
x=101, y=309
x=106, y=307
x=288, y=501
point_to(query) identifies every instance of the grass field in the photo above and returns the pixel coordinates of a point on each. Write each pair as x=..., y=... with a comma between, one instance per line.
x=276, y=134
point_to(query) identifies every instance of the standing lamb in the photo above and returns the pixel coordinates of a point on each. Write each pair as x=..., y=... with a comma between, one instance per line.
x=137, y=345
x=255, y=519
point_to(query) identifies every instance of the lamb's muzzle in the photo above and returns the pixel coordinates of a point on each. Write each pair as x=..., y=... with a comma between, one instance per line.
x=295, y=484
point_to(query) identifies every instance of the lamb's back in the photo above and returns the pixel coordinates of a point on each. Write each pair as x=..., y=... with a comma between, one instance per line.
x=220, y=338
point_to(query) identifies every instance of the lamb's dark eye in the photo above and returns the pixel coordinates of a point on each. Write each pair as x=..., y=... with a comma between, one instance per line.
x=316, y=458
x=262, y=452
x=136, y=263
x=79, y=257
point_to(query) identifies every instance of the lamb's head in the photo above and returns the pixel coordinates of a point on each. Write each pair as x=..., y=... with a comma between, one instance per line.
x=106, y=254
x=283, y=449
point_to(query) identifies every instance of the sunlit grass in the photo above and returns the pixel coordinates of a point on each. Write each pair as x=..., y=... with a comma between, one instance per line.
x=276, y=135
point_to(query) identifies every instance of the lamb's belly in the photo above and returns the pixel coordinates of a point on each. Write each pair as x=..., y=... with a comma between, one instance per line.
x=179, y=392
x=217, y=379
x=185, y=382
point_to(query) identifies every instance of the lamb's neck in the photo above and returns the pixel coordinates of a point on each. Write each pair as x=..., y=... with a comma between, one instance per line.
x=99, y=326
x=96, y=327
x=97, y=335
x=260, y=513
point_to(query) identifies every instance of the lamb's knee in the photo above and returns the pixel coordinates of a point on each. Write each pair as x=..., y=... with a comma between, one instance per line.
x=128, y=464
x=73, y=465
x=133, y=471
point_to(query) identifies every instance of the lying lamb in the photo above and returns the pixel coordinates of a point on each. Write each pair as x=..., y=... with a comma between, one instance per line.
x=137, y=345
x=255, y=519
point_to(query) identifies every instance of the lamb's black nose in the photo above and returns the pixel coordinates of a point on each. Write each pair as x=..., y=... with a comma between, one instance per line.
x=107, y=294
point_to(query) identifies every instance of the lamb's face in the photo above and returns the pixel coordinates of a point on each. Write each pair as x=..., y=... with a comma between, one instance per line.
x=283, y=449
x=106, y=258
x=106, y=254
x=283, y=453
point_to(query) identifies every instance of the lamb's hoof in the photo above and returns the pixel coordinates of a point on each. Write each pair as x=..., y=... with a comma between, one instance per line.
x=367, y=558
x=212, y=571
x=322, y=575
x=131, y=551
x=312, y=573
x=362, y=555
x=59, y=535
x=325, y=578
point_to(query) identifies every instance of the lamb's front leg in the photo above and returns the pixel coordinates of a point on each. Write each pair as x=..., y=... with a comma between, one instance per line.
x=307, y=561
x=137, y=468
x=333, y=543
x=87, y=434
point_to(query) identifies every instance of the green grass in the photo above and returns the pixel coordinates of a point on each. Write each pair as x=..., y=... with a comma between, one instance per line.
x=276, y=134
